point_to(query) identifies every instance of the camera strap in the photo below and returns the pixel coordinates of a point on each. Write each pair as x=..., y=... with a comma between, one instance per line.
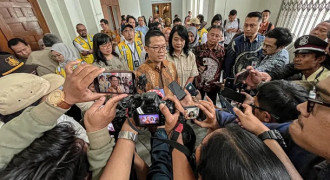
x=176, y=145
x=132, y=126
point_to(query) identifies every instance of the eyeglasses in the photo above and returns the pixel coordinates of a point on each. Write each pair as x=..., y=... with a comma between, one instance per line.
x=158, y=48
x=311, y=103
x=105, y=45
x=262, y=109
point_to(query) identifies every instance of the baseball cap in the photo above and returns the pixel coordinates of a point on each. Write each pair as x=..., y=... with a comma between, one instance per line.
x=309, y=43
x=10, y=64
x=126, y=25
x=194, y=21
x=23, y=89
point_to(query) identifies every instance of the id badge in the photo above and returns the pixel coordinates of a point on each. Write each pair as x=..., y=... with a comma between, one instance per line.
x=136, y=64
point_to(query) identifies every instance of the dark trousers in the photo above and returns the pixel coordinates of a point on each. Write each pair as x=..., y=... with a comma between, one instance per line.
x=212, y=95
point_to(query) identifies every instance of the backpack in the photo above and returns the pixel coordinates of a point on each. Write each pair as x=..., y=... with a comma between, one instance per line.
x=269, y=26
x=225, y=22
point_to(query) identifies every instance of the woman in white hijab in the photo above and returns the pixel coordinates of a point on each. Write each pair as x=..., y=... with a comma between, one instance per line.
x=63, y=54
x=193, y=37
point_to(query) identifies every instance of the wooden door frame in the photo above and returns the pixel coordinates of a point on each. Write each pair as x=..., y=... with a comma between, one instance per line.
x=161, y=5
x=6, y=34
x=42, y=21
x=111, y=3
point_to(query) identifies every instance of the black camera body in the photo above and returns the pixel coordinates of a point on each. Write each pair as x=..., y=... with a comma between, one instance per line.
x=144, y=109
x=148, y=113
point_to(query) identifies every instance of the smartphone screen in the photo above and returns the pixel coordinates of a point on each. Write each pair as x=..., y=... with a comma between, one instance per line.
x=229, y=107
x=149, y=120
x=192, y=112
x=232, y=95
x=191, y=89
x=115, y=82
x=177, y=90
x=242, y=76
x=221, y=77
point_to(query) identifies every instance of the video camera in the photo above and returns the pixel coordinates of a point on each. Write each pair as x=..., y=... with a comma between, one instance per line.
x=143, y=108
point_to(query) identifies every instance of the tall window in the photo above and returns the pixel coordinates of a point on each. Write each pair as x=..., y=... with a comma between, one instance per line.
x=300, y=16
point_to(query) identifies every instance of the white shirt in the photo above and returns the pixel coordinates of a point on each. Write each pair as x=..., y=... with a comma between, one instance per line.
x=229, y=35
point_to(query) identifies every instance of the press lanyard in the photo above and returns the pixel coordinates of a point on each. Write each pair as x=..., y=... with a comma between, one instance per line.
x=87, y=42
x=133, y=52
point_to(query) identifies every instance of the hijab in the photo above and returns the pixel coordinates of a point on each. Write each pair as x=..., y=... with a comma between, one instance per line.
x=194, y=31
x=68, y=53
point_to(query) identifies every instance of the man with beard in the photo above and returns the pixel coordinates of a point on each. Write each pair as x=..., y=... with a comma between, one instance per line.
x=274, y=49
x=84, y=44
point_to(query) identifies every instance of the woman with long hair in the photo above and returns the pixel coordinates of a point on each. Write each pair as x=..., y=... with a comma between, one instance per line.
x=105, y=55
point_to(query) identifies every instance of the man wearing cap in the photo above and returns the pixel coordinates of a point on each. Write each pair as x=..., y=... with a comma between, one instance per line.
x=42, y=58
x=288, y=71
x=202, y=32
x=131, y=49
x=84, y=44
x=246, y=49
x=19, y=85
x=310, y=63
x=310, y=58
x=9, y=64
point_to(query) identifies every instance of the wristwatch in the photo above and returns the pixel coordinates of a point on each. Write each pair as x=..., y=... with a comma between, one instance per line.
x=56, y=98
x=273, y=134
x=128, y=135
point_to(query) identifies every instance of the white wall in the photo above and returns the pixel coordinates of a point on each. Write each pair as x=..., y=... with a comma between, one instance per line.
x=146, y=8
x=130, y=7
x=63, y=15
x=273, y=6
x=243, y=7
x=176, y=6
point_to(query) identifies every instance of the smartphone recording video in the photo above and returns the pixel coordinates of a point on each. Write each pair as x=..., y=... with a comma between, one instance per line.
x=192, y=112
x=232, y=95
x=177, y=90
x=149, y=120
x=115, y=82
x=228, y=106
x=191, y=89
x=241, y=77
